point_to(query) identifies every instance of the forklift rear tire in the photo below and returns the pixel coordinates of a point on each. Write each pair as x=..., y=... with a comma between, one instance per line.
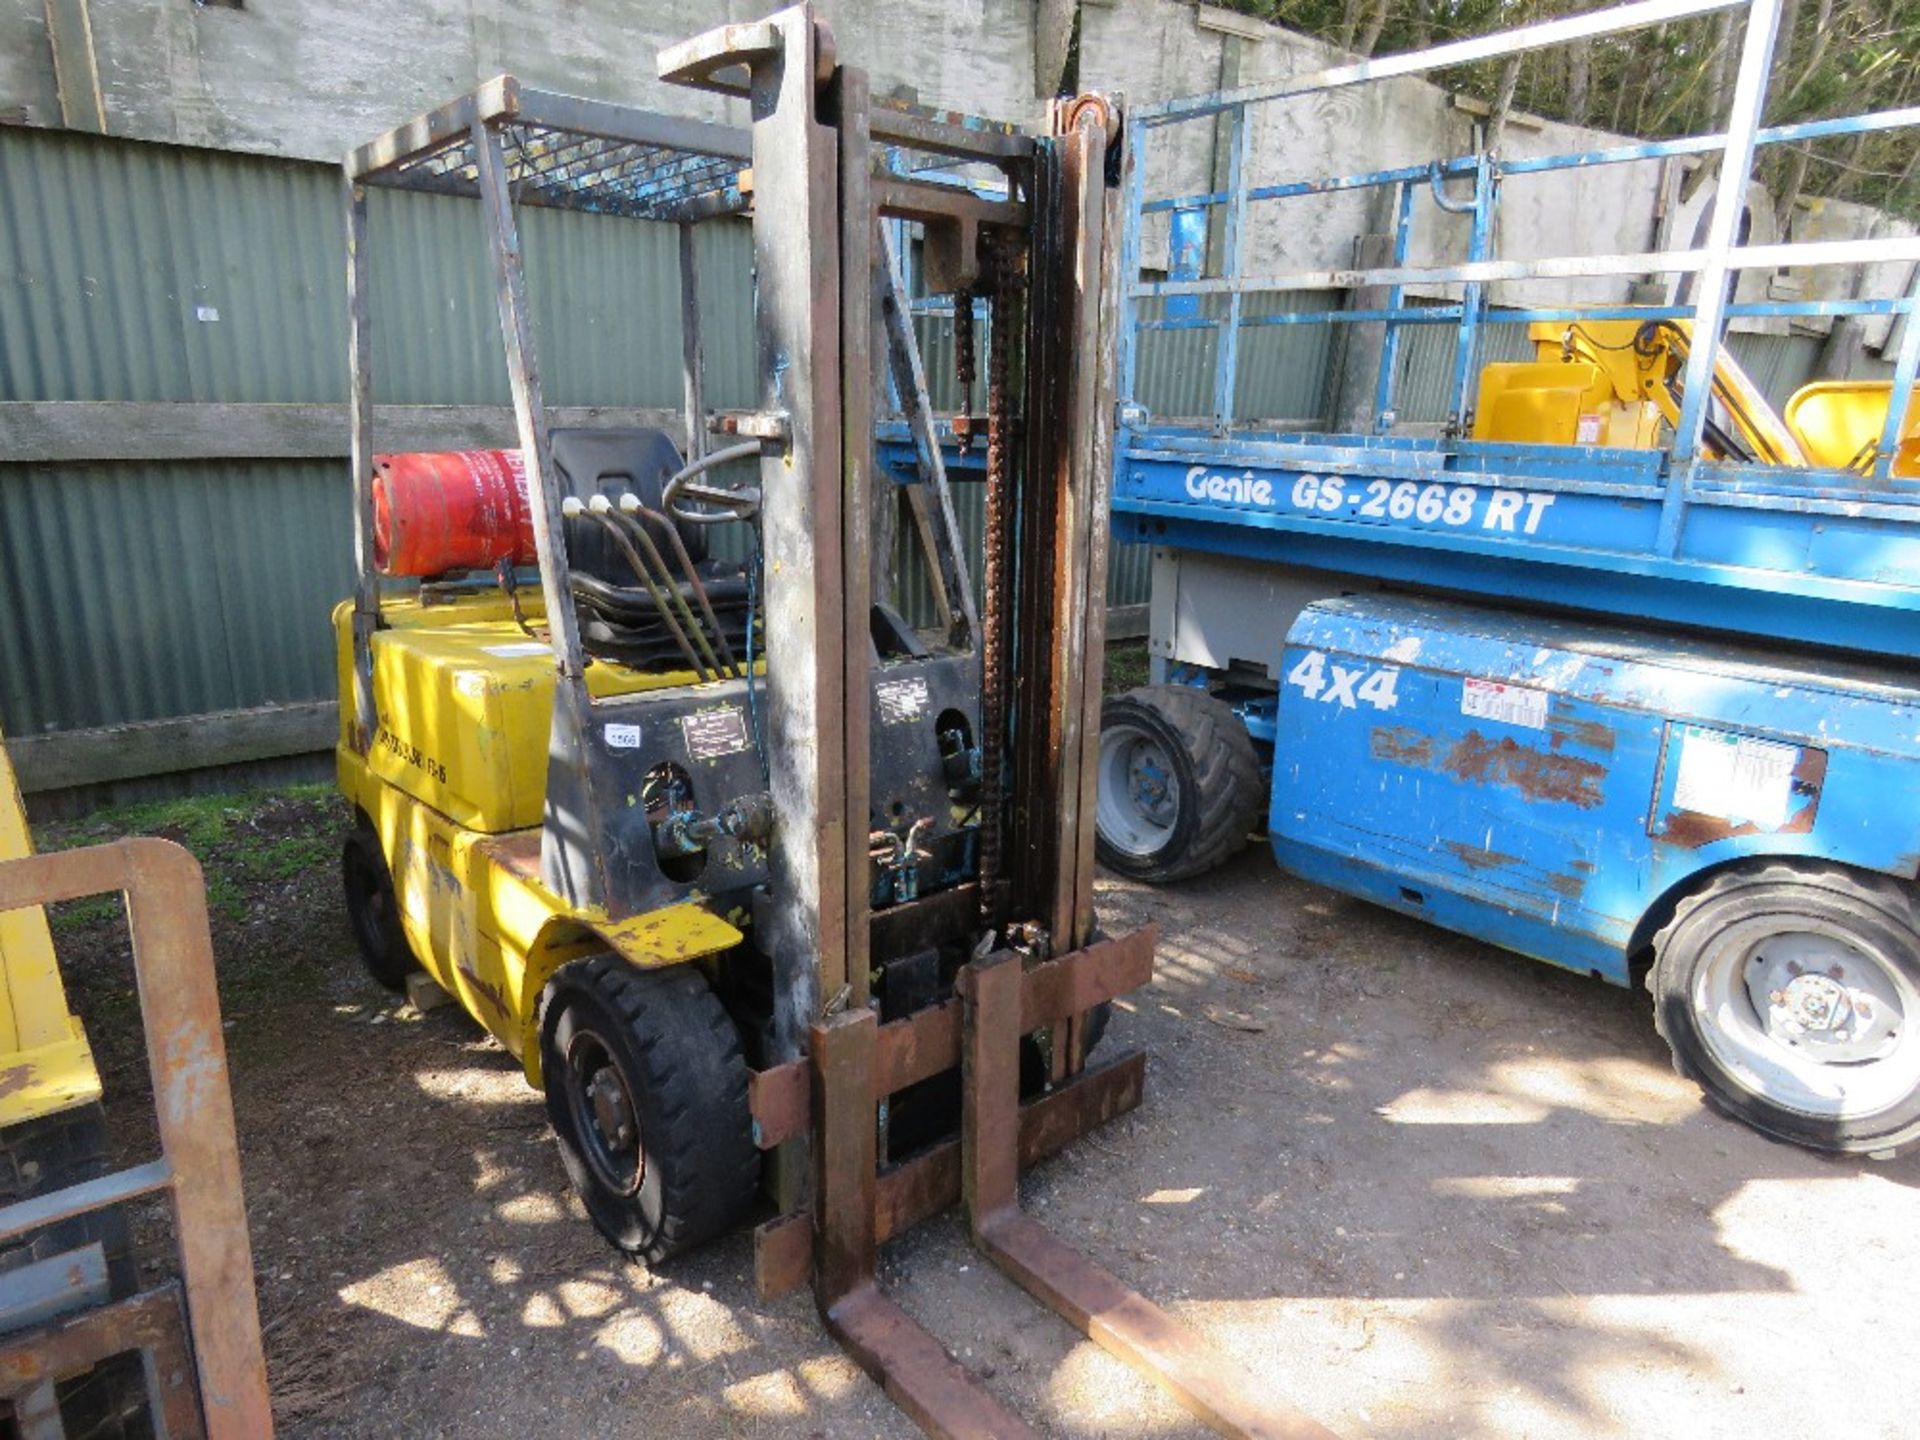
x=1180, y=785
x=647, y=1093
x=373, y=911
x=1790, y=993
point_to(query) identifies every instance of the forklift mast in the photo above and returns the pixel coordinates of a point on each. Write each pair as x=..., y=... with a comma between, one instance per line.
x=870, y=860
x=825, y=284
x=829, y=302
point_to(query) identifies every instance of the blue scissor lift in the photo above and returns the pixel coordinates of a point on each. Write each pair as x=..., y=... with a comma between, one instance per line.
x=1645, y=713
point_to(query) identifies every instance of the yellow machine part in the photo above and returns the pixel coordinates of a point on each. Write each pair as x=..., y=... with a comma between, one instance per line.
x=454, y=786
x=484, y=927
x=1838, y=423
x=1554, y=402
x=465, y=700
x=1591, y=383
x=46, y=1065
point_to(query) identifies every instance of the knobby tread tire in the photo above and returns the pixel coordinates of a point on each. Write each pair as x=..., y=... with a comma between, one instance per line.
x=1894, y=901
x=378, y=936
x=1222, y=791
x=690, y=1085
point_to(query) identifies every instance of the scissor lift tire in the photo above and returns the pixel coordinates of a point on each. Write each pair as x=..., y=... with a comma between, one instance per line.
x=1217, y=789
x=1723, y=969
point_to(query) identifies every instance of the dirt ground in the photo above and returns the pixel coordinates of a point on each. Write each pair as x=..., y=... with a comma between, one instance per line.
x=1415, y=1185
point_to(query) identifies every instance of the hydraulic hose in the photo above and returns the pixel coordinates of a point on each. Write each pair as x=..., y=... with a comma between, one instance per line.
x=630, y=526
x=746, y=449
x=693, y=628
x=630, y=506
x=646, y=578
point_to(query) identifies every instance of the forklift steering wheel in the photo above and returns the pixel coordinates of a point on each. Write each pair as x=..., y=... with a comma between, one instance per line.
x=718, y=503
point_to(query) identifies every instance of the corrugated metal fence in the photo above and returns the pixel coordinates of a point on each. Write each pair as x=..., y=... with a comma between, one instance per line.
x=136, y=589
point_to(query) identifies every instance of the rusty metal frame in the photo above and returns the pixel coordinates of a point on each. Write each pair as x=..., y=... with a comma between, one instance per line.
x=928, y=1042
x=152, y=1325
x=785, y=1099
x=929, y=1183
x=200, y=1157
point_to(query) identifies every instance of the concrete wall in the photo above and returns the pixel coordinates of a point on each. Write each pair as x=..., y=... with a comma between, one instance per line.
x=28, y=95
x=311, y=78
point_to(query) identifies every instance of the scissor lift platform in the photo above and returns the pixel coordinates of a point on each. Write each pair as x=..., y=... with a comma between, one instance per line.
x=1798, y=555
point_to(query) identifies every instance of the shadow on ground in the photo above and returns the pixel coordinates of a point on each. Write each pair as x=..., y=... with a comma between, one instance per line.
x=1417, y=1186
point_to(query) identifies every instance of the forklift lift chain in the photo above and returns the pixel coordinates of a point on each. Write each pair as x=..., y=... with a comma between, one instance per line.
x=1002, y=328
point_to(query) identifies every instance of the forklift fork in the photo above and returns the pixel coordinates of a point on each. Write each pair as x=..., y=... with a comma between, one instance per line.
x=1114, y=1317
x=855, y=1063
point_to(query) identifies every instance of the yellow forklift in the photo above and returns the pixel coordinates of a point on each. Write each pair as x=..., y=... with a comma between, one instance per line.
x=770, y=859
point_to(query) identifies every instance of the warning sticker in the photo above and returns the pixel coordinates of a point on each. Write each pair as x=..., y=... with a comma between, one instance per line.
x=713, y=733
x=1509, y=704
x=1735, y=777
x=903, y=700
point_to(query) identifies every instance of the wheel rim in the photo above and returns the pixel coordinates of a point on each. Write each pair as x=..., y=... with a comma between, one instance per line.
x=1139, y=791
x=1816, y=1020
x=606, y=1123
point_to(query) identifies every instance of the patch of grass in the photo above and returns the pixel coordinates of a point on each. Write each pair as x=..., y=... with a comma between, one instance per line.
x=248, y=843
x=225, y=898
x=199, y=822
x=1126, y=666
x=287, y=857
x=70, y=916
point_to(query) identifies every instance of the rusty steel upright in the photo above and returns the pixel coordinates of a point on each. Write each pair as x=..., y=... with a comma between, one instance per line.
x=206, y=1371
x=1023, y=220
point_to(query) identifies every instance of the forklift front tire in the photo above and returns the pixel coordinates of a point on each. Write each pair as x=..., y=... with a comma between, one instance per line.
x=373, y=911
x=647, y=1094
x=1180, y=786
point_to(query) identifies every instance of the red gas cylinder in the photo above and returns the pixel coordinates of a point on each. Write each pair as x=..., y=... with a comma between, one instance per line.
x=435, y=511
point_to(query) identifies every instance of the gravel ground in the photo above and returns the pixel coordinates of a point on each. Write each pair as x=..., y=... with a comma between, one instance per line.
x=1417, y=1186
